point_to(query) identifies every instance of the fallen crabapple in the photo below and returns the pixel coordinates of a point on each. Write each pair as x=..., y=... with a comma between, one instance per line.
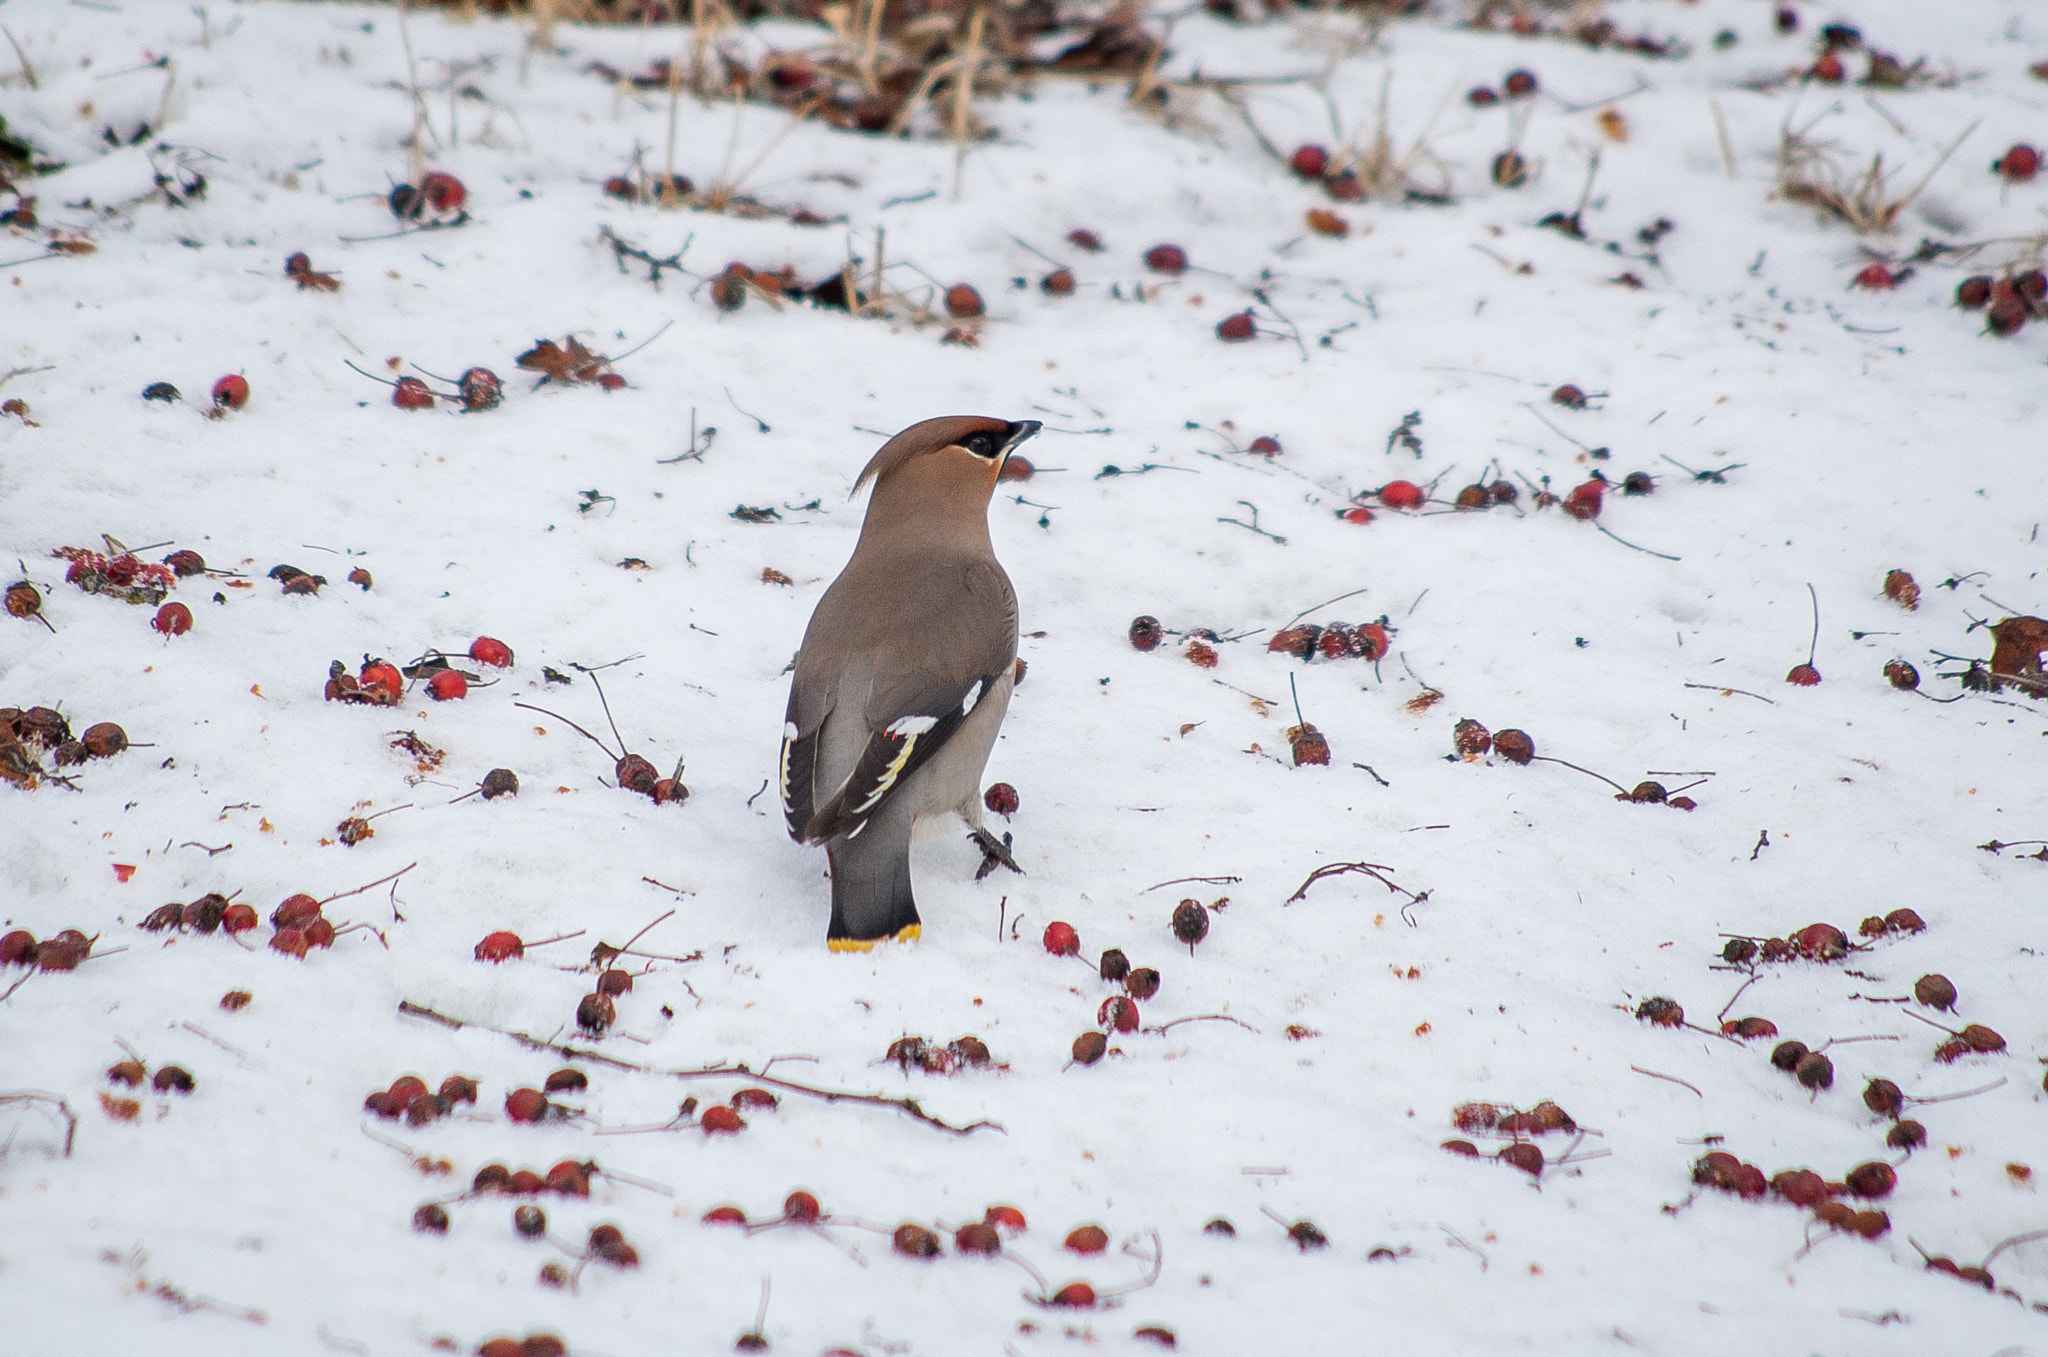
x=2017, y=165
x=963, y=302
x=1738, y=951
x=1237, y=327
x=1005, y=1218
x=1803, y=676
x=1090, y=1047
x=1786, y=1055
x=1142, y=983
x=1569, y=396
x=1828, y=70
x=595, y=1012
x=1058, y=283
x=1874, y=1179
x=724, y=1215
x=1660, y=1012
x=801, y=1207
x=1356, y=514
x=18, y=948
x=608, y=1245
x=1073, y=1296
x=1750, y=1029
x=104, y=740
x=1877, y=278
x=1061, y=939
x=447, y=686
x=1901, y=588
x=1001, y=799
x=231, y=392
x=1308, y=745
x=431, y=1219
x=1168, y=259
x=502, y=945
x=172, y=1079
x=1519, y=84
x=442, y=191
x=529, y=1220
x=1509, y=169
x=1524, y=1156
x=1265, y=445
x=1815, y=1071
x=977, y=1237
x=721, y=1120
x=565, y=1080
x=481, y=390
x=1901, y=675
x=1938, y=992
x=915, y=1241
x=238, y=918
x=1801, y=1187
x=1481, y=96
x=526, y=1105
x=1400, y=495
x=173, y=619
x=1904, y=921
x=499, y=782
x=1146, y=633
x=1513, y=745
x=1973, y=292
x=1821, y=942
x=410, y=393
x=1309, y=160
x=1473, y=497
x=1118, y=1014
x=1087, y=1240
x=1583, y=500
x=1464, y=1149
x=1190, y=923
x=458, y=1088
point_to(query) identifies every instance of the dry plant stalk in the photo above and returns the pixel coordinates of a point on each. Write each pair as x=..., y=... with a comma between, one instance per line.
x=1813, y=172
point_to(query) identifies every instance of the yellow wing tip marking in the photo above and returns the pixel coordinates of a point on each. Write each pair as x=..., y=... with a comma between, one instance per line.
x=909, y=933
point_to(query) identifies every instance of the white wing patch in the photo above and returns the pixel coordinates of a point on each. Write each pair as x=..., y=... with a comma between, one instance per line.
x=973, y=696
x=912, y=726
x=789, y=734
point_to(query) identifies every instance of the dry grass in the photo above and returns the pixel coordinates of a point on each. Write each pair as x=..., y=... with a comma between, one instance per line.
x=1819, y=174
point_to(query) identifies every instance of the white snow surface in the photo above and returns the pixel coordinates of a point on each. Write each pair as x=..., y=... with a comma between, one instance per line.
x=1873, y=430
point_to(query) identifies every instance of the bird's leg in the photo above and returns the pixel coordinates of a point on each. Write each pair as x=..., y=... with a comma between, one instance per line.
x=995, y=852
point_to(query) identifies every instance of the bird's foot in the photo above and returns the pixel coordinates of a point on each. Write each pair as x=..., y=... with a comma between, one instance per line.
x=995, y=853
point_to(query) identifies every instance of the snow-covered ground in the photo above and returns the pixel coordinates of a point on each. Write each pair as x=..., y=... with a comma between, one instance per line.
x=1860, y=431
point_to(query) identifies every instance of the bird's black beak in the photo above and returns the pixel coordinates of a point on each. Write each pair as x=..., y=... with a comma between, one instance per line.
x=1019, y=432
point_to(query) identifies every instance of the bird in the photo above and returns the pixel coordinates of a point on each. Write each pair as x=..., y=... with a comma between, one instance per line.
x=904, y=676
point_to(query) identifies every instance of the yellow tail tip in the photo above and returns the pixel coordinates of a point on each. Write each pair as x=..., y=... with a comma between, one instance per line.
x=909, y=933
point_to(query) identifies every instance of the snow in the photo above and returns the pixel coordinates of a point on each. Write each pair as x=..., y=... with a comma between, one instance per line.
x=1873, y=431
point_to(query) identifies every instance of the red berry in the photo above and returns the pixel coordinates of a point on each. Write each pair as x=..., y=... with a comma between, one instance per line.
x=1519, y=84
x=410, y=393
x=566, y=1079
x=404, y=1089
x=1087, y=1240
x=526, y=1104
x=611, y=381
x=1265, y=445
x=1524, y=1156
x=1237, y=327
x=447, y=685
x=721, y=1120
x=500, y=946
x=618, y=186
x=173, y=619
x=1584, y=500
x=963, y=302
x=1075, y=1296
x=1569, y=396
x=1514, y=745
x=1358, y=514
x=1169, y=259
x=977, y=1237
x=291, y=942
x=915, y=1241
x=17, y=948
x=1083, y=239
x=1876, y=278
x=238, y=918
x=1062, y=940
x=1058, y=283
x=1874, y=1179
x=488, y=650
x=1118, y=1014
x=231, y=392
x=1309, y=161
x=1822, y=942
x=1828, y=70
x=1001, y=799
x=1480, y=96
x=2019, y=164
x=385, y=678
x=1804, y=675
x=1973, y=292
x=1005, y=1217
x=186, y=562
x=1401, y=495
x=725, y=1215
x=443, y=191
x=613, y=983
x=481, y=389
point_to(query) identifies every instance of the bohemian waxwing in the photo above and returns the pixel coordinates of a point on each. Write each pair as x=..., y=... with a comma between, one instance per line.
x=904, y=675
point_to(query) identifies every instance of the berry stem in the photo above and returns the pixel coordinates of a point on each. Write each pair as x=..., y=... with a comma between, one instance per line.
x=573, y=726
x=378, y=882
x=1814, y=644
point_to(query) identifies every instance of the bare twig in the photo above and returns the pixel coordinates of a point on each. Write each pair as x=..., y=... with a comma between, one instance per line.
x=1666, y=1078
x=31, y=1096
x=378, y=882
x=1205, y=880
x=1202, y=1017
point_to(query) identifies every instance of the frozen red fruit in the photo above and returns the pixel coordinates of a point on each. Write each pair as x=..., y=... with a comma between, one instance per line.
x=1237, y=327
x=458, y=1088
x=443, y=191
x=724, y=1215
x=1801, y=1187
x=491, y=651
x=1875, y=278
x=1749, y=1182
x=615, y=982
x=1524, y=1156
x=1904, y=921
x=500, y=946
x=1906, y=1135
x=1005, y=1218
x=2019, y=164
x=1074, y=1296
x=1520, y=84
x=566, y=1080
x=1083, y=239
x=1750, y=1029
x=1513, y=745
x=238, y=918
x=1569, y=396
x=1978, y=1037
x=1309, y=161
x=1061, y=939
x=1786, y=1055
x=801, y=1207
x=405, y=1088
x=1874, y=1179
x=410, y=393
x=1647, y=794
x=1936, y=991
x=1822, y=942
x=526, y=1104
x=1829, y=70
x=1660, y=1012
x=1473, y=497
x=1265, y=445
x=2007, y=312
x=1190, y=923
x=1168, y=259
x=1118, y=1014
x=384, y=677
x=231, y=392
x=1815, y=1071
x=446, y=686
x=761, y=1097
x=525, y=1183
x=104, y=740
x=721, y=1120
x=1090, y=1047
x=500, y=782
x=1481, y=96
x=1058, y=283
x=319, y=933
x=186, y=562
x=1016, y=468
x=1803, y=676
x=977, y=1237
x=1001, y=799
x=595, y=1012
x=1087, y=1240
x=431, y=1219
x=1464, y=1149
x=290, y=941
x=1356, y=514
x=1583, y=501
x=1716, y=1168
x=171, y=1079
x=1901, y=675
x=173, y=619
x=1146, y=633
x=1973, y=292
x=1510, y=169
x=529, y=1220
x=915, y=1241
x=1401, y=495
x=963, y=302
x=1870, y=1224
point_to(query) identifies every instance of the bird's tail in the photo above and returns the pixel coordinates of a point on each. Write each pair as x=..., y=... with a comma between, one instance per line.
x=871, y=899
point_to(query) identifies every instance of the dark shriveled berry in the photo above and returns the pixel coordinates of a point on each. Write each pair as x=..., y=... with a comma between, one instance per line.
x=1904, y=921
x=1524, y=1156
x=1936, y=991
x=1874, y=1179
x=1471, y=739
x=1786, y=1055
x=530, y=1221
x=1513, y=745
x=1884, y=1097
x=1090, y=1047
x=430, y=1219
x=1146, y=633
x=915, y=1241
x=1737, y=951
x=1660, y=1012
x=1115, y=965
x=1815, y=1071
x=1142, y=983
x=1190, y=923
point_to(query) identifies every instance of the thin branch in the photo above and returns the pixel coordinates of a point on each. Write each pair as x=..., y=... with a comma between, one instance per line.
x=573, y=726
x=1665, y=1077
x=1205, y=880
x=1202, y=1017
x=378, y=882
x=63, y=1110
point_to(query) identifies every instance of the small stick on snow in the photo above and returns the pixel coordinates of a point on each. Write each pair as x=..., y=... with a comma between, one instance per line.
x=1665, y=1077
x=1205, y=880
